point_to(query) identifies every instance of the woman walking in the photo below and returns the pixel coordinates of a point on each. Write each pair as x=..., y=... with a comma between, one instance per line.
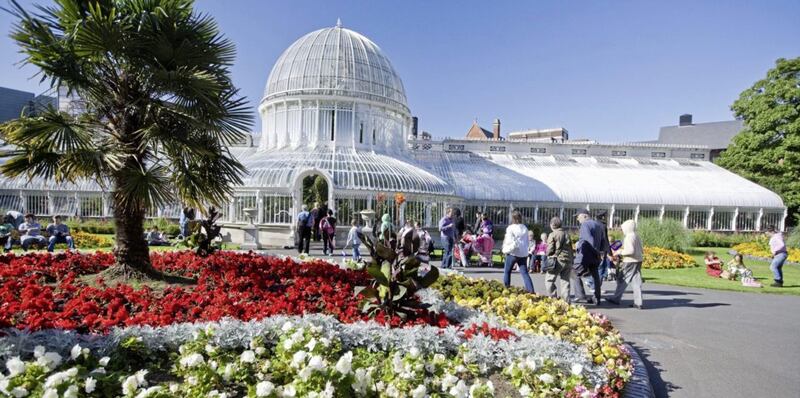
x=559, y=247
x=630, y=272
x=515, y=247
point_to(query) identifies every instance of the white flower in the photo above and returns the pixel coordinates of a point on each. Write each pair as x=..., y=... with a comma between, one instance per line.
x=325, y=342
x=91, y=384
x=345, y=364
x=71, y=372
x=19, y=392
x=173, y=388
x=289, y=391
x=448, y=381
x=362, y=381
x=227, y=373
x=192, y=380
x=414, y=352
x=439, y=357
x=99, y=371
x=130, y=385
x=316, y=363
x=577, y=369
x=260, y=350
x=530, y=363
x=72, y=392
x=311, y=344
x=397, y=363
x=329, y=390
x=419, y=392
x=192, y=360
x=50, y=360
x=140, y=377
x=4, y=384
x=460, y=390
x=15, y=366
x=298, y=358
x=490, y=385
x=104, y=361
x=266, y=365
x=210, y=349
x=213, y=364
x=75, y=352
x=392, y=391
x=524, y=390
x=265, y=388
x=287, y=326
x=146, y=393
x=546, y=378
x=248, y=356
x=50, y=393
x=305, y=373
x=38, y=351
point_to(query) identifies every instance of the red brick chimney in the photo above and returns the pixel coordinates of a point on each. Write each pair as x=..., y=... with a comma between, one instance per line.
x=496, y=129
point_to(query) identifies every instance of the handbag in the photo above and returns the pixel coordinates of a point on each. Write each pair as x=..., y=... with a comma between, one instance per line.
x=549, y=264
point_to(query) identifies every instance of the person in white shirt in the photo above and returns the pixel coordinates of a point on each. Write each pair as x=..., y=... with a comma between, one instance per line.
x=630, y=272
x=353, y=239
x=31, y=232
x=515, y=247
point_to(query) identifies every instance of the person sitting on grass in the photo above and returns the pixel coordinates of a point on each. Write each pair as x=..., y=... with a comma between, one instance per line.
x=713, y=264
x=156, y=238
x=736, y=268
x=6, y=230
x=31, y=232
x=59, y=233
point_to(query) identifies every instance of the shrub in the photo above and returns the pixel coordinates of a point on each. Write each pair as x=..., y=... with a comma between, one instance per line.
x=659, y=258
x=716, y=239
x=793, y=240
x=760, y=249
x=164, y=225
x=666, y=234
x=85, y=240
x=92, y=226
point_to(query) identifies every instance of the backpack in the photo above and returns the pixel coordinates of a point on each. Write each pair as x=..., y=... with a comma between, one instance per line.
x=326, y=226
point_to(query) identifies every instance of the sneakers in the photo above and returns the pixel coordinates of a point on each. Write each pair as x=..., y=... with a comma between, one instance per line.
x=776, y=284
x=638, y=307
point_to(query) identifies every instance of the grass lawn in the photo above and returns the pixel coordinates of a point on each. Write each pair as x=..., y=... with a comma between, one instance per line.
x=697, y=277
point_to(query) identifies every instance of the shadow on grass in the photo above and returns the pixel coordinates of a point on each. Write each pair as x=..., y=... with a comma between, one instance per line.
x=661, y=387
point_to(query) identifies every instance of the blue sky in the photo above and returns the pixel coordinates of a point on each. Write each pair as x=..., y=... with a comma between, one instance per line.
x=612, y=71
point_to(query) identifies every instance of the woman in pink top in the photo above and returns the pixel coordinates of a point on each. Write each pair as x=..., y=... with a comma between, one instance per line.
x=779, y=255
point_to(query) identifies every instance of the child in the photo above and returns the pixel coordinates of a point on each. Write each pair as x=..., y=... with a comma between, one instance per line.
x=713, y=265
x=484, y=245
x=540, y=252
x=736, y=267
x=353, y=239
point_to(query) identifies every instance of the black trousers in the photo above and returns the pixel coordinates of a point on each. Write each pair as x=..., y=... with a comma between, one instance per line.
x=303, y=239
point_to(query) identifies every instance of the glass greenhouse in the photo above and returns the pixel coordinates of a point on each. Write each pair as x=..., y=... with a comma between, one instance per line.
x=334, y=106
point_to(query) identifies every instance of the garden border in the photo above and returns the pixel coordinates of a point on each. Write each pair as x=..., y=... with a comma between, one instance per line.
x=639, y=385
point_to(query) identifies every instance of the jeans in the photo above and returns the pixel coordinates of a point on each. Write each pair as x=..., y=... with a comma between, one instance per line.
x=303, y=238
x=447, y=252
x=777, y=266
x=26, y=241
x=356, y=253
x=327, y=243
x=523, y=269
x=604, y=268
x=61, y=239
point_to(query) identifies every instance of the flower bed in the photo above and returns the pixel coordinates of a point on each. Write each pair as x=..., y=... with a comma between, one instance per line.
x=658, y=258
x=266, y=327
x=760, y=249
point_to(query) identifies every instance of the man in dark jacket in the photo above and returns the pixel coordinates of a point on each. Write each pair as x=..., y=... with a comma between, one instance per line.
x=592, y=244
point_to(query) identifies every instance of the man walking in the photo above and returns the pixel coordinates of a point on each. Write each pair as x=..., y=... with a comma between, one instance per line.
x=447, y=232
x=779, y=254
x=304, y=223
x=592, y=242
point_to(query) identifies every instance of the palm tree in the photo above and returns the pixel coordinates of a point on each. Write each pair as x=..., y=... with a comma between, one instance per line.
x=160, y=109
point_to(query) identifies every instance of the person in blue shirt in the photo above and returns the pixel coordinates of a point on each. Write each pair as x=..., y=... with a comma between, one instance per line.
x=305, y=221
x=447, y=230
x=591, y=247
x=59, y=233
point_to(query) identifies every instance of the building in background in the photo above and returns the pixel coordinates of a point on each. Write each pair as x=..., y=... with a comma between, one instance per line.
x=14, y=103
x=335, y=107
x=714, y=135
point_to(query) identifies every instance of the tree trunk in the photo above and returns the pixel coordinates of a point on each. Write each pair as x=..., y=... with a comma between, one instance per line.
x=131, y=251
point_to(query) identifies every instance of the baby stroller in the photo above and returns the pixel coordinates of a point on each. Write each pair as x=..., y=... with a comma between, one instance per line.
x=484, y=246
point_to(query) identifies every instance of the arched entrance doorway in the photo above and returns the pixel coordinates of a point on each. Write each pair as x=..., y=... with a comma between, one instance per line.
x=308, y=187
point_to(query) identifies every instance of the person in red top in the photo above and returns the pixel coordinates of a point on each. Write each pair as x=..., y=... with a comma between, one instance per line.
x=484, y=245
x=713, y=265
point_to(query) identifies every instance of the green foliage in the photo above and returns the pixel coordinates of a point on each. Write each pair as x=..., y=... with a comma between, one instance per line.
x=767, y=151
x=204, y=234
x=716, y=239
x=315, y=189
x=793, y=240
x=667, y=234
x=160, y=108
x=102, y=227
x=164, y=225
x=396, y=272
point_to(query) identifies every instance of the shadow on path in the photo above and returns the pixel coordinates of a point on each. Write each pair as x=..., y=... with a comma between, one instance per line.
x=670, y=293
x=650, y=304
x=661, y=388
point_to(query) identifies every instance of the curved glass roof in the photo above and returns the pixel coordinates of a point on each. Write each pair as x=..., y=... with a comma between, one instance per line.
x=336, y=61
x=587, y=180
x=349, y=169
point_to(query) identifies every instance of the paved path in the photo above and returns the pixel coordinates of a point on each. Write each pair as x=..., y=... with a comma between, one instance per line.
x=705, y=343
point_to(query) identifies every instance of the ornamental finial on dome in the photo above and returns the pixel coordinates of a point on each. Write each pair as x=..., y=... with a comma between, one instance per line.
x=338, y=22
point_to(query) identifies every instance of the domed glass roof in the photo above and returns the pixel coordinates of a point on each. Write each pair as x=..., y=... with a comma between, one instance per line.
x=336, y=61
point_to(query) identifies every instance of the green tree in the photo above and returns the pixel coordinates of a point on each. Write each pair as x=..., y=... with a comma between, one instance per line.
x=767, y=151
x=160, y=109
